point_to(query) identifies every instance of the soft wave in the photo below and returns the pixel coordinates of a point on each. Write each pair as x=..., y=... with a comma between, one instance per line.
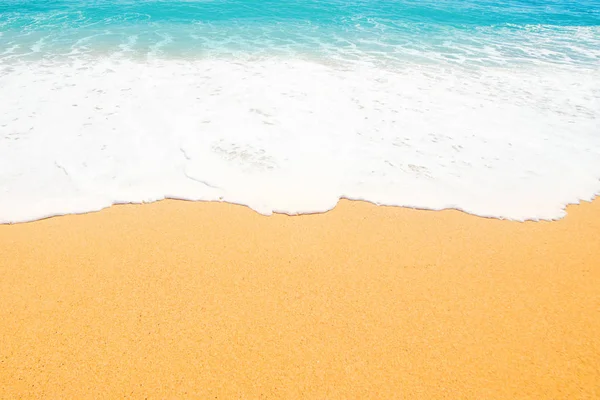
x=294, y=136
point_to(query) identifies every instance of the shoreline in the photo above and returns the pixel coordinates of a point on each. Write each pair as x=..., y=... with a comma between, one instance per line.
x=341, y=199
x=195, y=299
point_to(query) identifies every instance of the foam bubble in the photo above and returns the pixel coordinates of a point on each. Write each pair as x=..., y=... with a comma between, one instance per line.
x=294, y=136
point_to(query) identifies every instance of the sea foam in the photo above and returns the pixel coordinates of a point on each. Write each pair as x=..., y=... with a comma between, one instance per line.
x=296, y=135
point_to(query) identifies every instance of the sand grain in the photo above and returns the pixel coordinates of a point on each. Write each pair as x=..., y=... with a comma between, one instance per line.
x=178, y=299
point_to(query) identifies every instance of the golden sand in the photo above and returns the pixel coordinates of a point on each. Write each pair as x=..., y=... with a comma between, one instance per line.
x=205, y=300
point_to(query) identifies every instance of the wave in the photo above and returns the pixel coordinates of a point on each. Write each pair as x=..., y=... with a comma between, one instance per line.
x=293, y=136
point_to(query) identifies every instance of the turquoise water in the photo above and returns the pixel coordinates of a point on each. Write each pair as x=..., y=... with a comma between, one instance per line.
x=287, y=106
x=451, y=31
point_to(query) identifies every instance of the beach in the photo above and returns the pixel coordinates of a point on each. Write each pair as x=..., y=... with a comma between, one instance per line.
x=179, y=299
x=170, y=216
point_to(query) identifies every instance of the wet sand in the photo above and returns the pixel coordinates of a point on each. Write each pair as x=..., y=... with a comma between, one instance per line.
x=204, y=300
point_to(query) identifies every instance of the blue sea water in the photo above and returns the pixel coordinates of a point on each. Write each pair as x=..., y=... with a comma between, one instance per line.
x=478, y=32
x=491, y=107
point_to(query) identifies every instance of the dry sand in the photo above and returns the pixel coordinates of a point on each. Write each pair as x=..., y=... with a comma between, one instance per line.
x=204, y=300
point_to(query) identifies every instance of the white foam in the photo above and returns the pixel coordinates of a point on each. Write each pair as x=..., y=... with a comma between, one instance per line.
x=37, y=46
x=294, y=136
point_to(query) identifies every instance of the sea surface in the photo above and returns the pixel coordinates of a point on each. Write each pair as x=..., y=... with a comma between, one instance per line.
x=491, y=107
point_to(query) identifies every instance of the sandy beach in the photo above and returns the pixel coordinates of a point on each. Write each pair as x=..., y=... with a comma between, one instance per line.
x=209, y=300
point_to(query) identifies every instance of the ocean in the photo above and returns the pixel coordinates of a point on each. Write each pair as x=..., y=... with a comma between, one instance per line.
x=488, y=107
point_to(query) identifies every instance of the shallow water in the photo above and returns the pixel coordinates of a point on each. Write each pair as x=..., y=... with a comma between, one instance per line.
x=287, y=106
